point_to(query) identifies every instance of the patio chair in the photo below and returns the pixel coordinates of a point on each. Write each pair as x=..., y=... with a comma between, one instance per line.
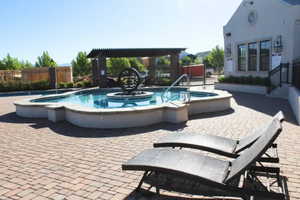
x=220, y=145
x=192, y=173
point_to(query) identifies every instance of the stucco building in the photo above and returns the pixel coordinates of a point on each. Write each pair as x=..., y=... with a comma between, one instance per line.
x=260, y=35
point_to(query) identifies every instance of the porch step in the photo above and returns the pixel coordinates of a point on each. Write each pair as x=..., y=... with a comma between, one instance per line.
x=281, y=92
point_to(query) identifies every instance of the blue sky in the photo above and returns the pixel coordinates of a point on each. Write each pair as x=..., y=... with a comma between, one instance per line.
x=64, y=27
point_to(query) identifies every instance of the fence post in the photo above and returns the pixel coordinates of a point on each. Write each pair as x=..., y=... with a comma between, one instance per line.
x=52, y=77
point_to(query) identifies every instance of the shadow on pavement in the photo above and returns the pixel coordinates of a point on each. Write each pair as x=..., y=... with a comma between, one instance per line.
x=68, y=129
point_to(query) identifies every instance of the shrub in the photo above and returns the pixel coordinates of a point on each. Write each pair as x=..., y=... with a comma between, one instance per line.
x=79, y=84
x=247, y=80
x=10, y=86
x=87, y=83
x=61, y=85
x=40, y=85
x=69, y=85
x=165, y=82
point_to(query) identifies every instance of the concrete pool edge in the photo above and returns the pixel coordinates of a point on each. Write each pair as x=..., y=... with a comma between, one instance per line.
x=173, y=112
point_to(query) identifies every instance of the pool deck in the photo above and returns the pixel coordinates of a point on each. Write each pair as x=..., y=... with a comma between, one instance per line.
x=44, y=160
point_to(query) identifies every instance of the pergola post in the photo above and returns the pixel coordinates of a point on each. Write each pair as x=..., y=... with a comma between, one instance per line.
x=95, y=77
x=152, y=69
x=52, y=77
x=102, y=71
x=175, y=68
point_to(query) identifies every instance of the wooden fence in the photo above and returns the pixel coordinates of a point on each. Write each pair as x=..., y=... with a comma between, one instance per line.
x=35, y=74
x=63, y=74
x=10, y=75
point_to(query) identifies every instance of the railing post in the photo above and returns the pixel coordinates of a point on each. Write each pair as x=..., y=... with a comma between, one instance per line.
x=270, y=86
x=280, y=75
x=288, y=73
x=293, y=73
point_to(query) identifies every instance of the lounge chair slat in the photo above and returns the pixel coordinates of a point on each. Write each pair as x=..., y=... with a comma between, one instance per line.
x=247, y=141
x=215, y=144
x=179, y=162
x=249, y=156
x=211, y=143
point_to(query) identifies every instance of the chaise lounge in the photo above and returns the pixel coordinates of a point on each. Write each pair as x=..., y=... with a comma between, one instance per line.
x=219, y=145
x=202, y=175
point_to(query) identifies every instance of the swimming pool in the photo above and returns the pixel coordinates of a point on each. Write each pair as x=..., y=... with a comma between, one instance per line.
x=92, y=108
x=99, y=99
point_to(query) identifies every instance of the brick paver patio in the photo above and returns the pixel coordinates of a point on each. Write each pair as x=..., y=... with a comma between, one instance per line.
x=44, y=160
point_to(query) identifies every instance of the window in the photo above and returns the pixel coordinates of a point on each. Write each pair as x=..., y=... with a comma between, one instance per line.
x=252, y=56
x=242, y=57
x=265, y=52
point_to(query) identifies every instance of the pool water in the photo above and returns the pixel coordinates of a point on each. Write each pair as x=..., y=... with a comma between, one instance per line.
x=98, y=99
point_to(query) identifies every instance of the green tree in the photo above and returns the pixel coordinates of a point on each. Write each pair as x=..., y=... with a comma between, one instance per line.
x=216, y=58
x=206, y=62
x=163, y=60
x=81, y=65
x=186, y=60
x=26, y=64
x=1, y=65
x=136, y=63
x=116, y=65
x=197, y=61
x=45, y=60
x=10, y=63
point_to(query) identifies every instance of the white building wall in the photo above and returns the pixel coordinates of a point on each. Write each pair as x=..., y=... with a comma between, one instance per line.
x=274, y=18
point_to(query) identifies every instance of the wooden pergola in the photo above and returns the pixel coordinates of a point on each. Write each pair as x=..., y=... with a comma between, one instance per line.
x=99, y=56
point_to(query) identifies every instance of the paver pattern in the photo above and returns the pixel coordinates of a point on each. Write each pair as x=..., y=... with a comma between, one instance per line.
x=41, y=160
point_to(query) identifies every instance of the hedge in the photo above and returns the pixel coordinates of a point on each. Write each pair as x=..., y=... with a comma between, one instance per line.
x=245, y=80
x=9, y=86
x=78, y=84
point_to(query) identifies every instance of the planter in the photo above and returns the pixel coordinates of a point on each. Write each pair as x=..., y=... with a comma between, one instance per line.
x=294, y=100
x=253, y=89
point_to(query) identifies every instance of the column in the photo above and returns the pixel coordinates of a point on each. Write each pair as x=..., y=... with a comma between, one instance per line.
x=175, y=68
x=52, y=77
x=102, y=71
x=152, y=69
x=95, y=79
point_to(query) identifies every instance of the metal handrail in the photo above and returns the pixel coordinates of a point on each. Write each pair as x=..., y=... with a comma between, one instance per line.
x=275, y=70
x=163, y=95
x=279, y=69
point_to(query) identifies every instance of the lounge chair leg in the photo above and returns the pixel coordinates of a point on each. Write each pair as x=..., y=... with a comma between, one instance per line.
x=156, y=185
x=157, y=190
x=141, y=181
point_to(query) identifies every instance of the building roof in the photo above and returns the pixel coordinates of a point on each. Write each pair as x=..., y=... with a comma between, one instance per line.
x=136, y=52
x=292, y=2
